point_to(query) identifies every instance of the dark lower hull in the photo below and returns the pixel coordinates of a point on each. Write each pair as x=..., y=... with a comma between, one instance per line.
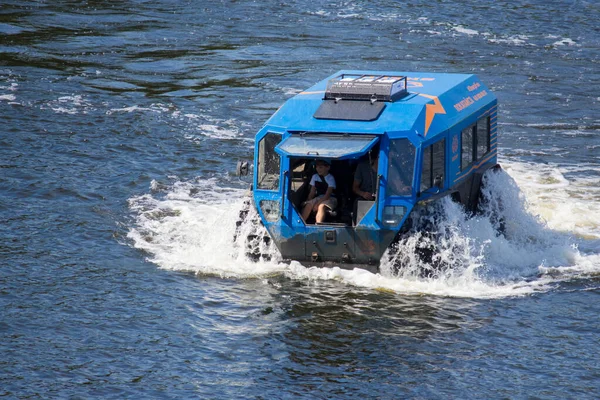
x=348, y=247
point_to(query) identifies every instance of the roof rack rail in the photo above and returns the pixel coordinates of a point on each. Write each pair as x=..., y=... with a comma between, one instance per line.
x=366, y=87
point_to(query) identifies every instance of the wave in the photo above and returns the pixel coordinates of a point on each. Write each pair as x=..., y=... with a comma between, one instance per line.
x=558, y=126
x=190, y=226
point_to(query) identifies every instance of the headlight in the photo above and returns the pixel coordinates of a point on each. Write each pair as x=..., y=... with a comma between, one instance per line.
x=270, y=209
x=392, y=215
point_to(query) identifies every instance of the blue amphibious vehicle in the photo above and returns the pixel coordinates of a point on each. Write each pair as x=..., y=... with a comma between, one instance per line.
x=424, y=135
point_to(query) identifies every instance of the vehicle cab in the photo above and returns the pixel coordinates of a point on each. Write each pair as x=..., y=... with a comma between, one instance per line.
x=423, y=136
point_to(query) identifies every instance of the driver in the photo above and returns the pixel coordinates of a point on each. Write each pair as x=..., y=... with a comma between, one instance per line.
x=364, y=178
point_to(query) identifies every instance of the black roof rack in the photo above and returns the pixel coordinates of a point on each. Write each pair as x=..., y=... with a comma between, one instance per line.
x=366, y=87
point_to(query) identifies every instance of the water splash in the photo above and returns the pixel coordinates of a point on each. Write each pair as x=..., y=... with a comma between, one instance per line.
x=192, y=228
x=506, y=250
x=567, y=197
x=442, y=247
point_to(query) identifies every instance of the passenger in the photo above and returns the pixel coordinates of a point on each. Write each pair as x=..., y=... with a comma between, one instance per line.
x=321, y=193
x=364, y=185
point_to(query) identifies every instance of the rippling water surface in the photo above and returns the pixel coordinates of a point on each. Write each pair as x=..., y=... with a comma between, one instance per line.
x=122, y=122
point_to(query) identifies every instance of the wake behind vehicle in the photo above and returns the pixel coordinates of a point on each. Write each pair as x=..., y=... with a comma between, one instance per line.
x=424, y=135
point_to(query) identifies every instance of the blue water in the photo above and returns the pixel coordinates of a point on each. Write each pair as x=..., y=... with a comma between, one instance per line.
x=122, y=123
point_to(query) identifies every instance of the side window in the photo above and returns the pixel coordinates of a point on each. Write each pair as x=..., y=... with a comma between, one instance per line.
x=483, y=137
x=467, y=147
x=426, y=169
x=434, y=161
x=439, y=161
x=268, y=162
x=401, y=168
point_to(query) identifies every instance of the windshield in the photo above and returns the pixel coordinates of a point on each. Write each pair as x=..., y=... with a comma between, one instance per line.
x=326, y=146
x=268, y=162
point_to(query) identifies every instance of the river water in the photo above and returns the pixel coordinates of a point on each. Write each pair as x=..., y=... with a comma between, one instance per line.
x=122, y=122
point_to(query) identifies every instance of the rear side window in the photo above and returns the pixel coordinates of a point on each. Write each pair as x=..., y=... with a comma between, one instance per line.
x=467, y=147
x=475, y=142
x=434, y=161
x=268, y=162
x=483, y=137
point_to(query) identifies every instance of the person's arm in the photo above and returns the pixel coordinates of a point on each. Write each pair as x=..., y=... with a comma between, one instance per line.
x=356, y=188
x=330, y=187
x=359, y=177
x=327, y=194
x=312, y=193
x=360, y=193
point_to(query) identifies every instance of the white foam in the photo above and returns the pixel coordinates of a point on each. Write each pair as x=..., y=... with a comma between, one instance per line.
x=290, y=91
x=352, y=15
x=75, y=104
x=190, y=226
x=12, y=88
x=466, y=31
x=564, y=42
x=216, y=128
x=218, y=132
x=128, y=109
x=567, y=205
x=154, y=107
x=8, y=97
x=192, y=229
x=456, y=287
x=517, y=40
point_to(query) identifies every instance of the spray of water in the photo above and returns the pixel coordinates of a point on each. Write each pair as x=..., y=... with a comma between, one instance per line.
x=190, y=226
x=440, y=247
x=251, y=239
x=503, y=244
x=505, y=250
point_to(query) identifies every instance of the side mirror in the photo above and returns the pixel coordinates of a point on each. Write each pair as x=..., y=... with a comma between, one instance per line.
x=242, y=168
x=438, y=182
